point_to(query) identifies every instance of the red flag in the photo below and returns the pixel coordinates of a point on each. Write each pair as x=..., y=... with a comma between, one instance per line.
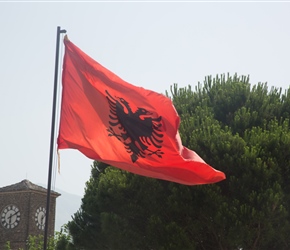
x=129, y=127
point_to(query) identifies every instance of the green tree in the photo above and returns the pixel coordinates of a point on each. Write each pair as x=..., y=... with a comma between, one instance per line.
x=240, y=129
x=61, y=241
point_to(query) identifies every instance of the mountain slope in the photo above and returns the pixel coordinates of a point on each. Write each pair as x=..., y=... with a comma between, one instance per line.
x=66, y=205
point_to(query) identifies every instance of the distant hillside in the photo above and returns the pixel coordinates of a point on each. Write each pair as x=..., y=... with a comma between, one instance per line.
x=66, y=205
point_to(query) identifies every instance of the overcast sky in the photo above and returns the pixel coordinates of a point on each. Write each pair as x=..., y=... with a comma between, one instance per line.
x=152, y=45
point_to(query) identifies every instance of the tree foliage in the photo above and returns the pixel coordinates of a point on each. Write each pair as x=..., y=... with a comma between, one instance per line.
x=240, y=129
x=60, y=241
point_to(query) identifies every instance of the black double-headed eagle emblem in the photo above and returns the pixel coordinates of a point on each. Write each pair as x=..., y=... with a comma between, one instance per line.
x=139, y=132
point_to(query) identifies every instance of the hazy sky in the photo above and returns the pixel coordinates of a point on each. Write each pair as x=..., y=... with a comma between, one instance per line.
x=152, y=45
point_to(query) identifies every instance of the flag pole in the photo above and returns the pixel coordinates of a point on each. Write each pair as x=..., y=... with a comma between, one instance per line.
x=59, y=31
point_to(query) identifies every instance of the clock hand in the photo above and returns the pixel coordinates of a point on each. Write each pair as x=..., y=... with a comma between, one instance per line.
x=42, y=219
x=10, y=217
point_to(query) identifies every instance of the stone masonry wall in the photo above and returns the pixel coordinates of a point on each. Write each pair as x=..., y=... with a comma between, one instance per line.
x=27, y=202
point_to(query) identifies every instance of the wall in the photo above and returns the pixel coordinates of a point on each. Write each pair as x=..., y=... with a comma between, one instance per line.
x=27, y=202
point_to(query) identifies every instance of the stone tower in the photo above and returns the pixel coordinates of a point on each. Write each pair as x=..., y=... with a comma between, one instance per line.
x=23, y=209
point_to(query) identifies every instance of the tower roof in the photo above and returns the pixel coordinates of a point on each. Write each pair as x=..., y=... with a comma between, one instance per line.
x=26, y=185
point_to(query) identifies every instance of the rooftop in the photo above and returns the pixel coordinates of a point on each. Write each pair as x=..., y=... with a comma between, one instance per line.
x=25, y=185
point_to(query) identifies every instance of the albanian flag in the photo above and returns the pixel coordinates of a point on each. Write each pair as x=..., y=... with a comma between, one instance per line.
x=128, y=127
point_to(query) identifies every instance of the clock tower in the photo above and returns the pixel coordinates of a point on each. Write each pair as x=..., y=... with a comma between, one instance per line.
x=22, y=213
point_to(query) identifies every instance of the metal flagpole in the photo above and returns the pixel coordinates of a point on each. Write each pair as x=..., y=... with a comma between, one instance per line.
x=59, y=31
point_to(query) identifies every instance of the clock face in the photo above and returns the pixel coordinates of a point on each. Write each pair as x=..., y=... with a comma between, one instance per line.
x=10, y=216
x=40, y=218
